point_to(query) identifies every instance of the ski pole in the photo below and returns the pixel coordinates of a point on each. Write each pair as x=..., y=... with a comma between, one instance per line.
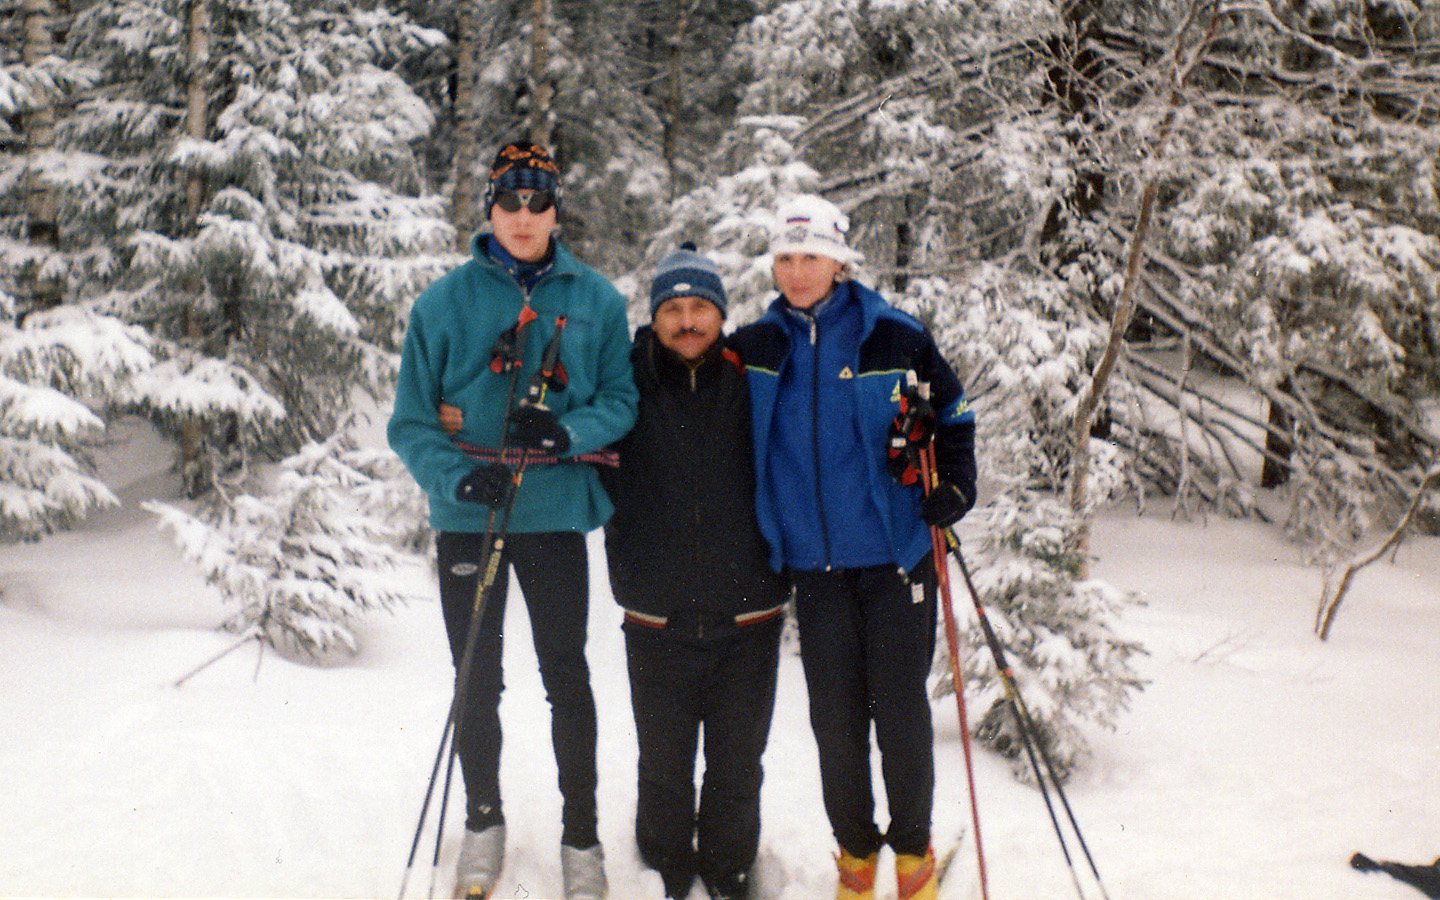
x=507, y=358
x=1028, y=734
x=928, y=478
x=550, y=374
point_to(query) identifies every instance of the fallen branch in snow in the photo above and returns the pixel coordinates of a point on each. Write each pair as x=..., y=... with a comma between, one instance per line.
x=1334, y=590
x=254, y=633
x=1323, y=427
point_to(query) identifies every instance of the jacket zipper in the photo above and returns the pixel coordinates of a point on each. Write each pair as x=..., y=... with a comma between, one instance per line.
x=815, y=434
x=694, y=503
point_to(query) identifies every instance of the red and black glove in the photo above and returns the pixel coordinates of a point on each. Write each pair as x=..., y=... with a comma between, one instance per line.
x=910, y=431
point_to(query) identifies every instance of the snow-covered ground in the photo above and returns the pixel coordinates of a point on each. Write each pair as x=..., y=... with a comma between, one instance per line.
x=1255, y=763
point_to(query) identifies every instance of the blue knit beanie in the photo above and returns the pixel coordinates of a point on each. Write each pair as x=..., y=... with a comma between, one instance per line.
x=686, y=273
x=522, y=166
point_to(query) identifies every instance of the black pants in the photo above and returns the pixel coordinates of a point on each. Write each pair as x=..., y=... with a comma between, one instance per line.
x=679, y=685
x=553, y=576
x=867, y=638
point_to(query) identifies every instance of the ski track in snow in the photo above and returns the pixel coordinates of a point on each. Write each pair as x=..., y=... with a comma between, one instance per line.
x=1255, y=763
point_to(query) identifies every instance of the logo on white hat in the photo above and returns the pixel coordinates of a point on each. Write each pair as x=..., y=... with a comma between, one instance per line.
x=812, y=225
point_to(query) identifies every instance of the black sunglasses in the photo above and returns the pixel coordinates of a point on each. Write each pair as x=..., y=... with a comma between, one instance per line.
x=539, y=202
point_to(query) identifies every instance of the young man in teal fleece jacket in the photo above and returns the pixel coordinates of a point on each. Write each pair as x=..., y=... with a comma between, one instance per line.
x=449, y=349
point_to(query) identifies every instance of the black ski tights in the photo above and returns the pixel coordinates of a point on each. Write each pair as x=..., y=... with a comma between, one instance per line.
x=866, y=641
x=553, y=576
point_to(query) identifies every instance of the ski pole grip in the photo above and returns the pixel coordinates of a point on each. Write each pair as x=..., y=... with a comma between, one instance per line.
x=549, y=361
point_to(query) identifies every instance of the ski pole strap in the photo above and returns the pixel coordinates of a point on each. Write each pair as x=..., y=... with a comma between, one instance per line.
x=512, y=455
x=505, y=352
x=912, y=429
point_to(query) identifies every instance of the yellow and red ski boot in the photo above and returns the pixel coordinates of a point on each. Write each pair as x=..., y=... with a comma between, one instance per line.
x=857, y=876
x=916, y=876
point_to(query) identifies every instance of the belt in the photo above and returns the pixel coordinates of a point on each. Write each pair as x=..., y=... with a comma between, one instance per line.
x=513, y=455
x=649, y=620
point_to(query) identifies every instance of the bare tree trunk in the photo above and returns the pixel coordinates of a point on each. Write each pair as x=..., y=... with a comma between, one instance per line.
x=197, y=61
x=465, y=195
x=674, y=84
x=1072, y=86
x=41, y=220
x=1119, y=322
x=1275, y=470
x=540, y=121
x=905, y=241
x=1125, y=303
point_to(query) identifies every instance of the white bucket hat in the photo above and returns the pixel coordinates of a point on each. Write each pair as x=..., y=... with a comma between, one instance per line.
x=810, y=224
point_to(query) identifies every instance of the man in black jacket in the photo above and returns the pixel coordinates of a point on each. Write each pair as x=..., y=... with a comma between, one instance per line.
x=703, y=609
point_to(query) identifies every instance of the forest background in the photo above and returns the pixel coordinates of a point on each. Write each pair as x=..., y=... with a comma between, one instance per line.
x=214, y=216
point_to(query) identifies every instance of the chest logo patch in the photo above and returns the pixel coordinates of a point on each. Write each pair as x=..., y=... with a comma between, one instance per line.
x=846, y=373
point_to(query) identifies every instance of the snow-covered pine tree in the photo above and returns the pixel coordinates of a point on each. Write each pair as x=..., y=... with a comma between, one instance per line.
x=729, y=217
x=1309, y=233
x=1060, y=632
x=311, y=557
x=48, y=365
x=268, y=238
x=675, y=53
x=605, y=134
x=56, y=361
x=285, y=295
x=1028, y=353
x=1294, y=245
x=36, y=84
x=901, y=102
x=855, y=100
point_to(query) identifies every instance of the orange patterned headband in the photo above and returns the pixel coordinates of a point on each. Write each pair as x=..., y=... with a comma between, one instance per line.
x=529, y=157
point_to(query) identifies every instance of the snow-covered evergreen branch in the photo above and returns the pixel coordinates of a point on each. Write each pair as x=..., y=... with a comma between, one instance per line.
x=308, y=560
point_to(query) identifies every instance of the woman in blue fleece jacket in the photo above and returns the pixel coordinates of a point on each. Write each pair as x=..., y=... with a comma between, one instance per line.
x=454, y=328
x=826, y=366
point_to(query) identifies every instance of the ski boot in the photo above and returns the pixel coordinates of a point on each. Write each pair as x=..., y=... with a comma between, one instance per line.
x=857, y=876
x=916, y=876
x=583, y=872
x=481, y=857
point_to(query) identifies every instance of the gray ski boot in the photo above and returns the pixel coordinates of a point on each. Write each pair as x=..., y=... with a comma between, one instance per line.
x=584, y=873
x=481, y=856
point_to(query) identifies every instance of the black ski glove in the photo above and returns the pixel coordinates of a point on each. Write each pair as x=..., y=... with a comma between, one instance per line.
x=945, y=505
x=488, y=483
x=535, y=427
